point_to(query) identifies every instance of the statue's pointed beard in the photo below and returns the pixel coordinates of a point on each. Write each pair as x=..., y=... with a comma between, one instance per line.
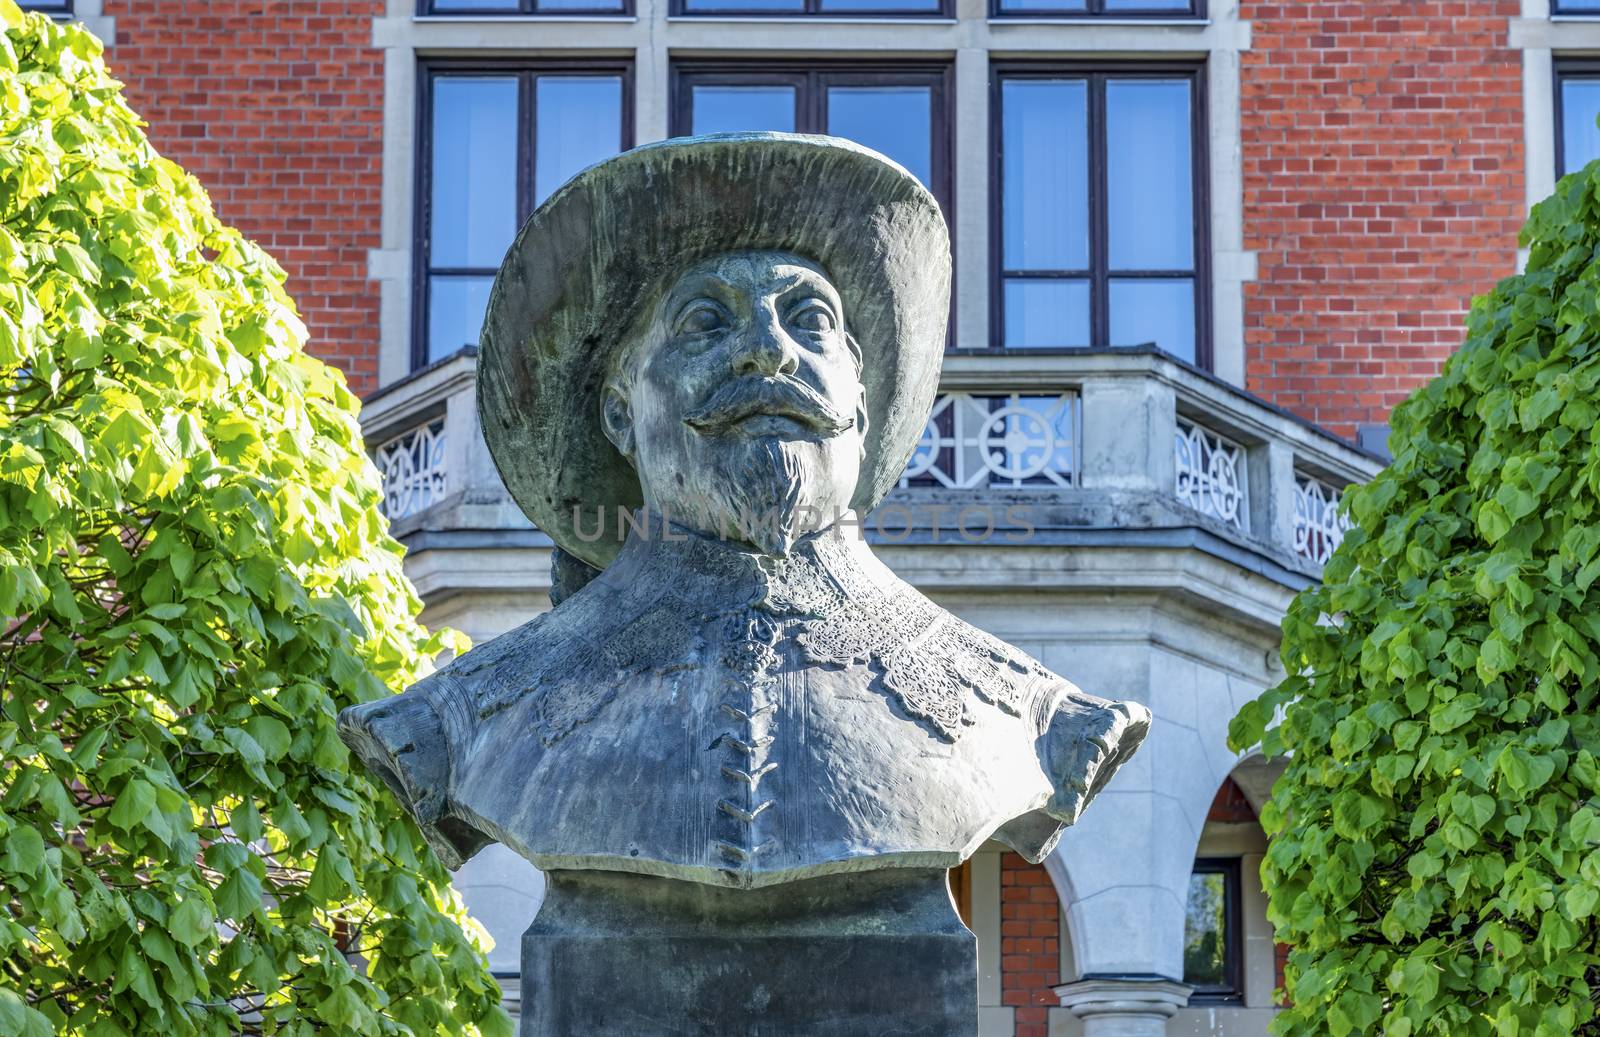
x=767, y=494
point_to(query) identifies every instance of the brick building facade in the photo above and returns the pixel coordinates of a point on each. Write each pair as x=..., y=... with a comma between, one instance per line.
x=1384, y=188
x=1361, y=171
x=277, y=108
x=1383, y=168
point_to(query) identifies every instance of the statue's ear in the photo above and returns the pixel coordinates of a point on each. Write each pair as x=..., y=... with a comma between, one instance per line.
x=616, y=418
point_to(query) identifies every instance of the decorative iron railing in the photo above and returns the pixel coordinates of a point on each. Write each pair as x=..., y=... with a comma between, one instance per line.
x=1211, y=474
x=413, y=469
x=1010, y=440
x=1319, y=522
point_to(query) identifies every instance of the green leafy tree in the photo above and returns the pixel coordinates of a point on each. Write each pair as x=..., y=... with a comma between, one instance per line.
x=1435, y=854
x=194, y=579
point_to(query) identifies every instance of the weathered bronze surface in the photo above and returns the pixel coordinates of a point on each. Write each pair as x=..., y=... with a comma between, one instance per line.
x=740, y=337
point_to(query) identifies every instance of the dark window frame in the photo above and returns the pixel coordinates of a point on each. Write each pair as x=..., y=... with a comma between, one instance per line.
x=1232, y=992
x=1562, y=70
x=429, y=70
x=811, y=9
x=1099, y=272
x=56, y=9
x=525, y=9
x=811, y=80
x=1195, y=9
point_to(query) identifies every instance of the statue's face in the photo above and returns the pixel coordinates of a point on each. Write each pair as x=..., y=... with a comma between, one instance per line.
x=740, y=401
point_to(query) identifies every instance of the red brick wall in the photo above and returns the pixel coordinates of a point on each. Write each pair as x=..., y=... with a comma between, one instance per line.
x=277, y=107
x=1030, y=943
x=1383, y=187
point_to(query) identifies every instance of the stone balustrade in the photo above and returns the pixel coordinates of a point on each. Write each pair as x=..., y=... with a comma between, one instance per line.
x=1115, y=440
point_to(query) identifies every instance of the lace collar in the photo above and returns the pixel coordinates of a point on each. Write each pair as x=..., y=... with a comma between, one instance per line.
x=820, y=572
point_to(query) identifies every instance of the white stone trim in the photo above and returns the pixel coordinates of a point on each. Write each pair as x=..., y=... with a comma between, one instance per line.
x=986, y=922
x=1530, y=34
x=1153, y=998
x=1569, y=35
x=1538, y=123
x=391, y=264
x=973, y=161
x=1231, y=264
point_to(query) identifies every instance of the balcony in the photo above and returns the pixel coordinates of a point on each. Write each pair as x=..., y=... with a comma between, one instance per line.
x=1118, y=448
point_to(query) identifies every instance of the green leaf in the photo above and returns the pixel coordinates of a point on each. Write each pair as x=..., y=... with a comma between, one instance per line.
x=270, y=734
x=133, y=804
x=24, y=853
x=1579, y=901
x=16, y=1017
x=239, y=895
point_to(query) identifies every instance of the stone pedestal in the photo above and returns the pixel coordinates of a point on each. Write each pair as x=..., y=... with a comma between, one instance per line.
x=1124, y=1006
x=878, y=952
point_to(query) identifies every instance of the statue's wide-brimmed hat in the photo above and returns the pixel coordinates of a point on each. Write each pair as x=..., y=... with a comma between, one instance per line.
x=606, y=243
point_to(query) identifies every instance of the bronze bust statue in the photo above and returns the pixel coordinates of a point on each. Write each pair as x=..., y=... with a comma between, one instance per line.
x=702, y=360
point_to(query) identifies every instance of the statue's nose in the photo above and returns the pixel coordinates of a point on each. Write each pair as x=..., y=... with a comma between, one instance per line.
x=764, y=348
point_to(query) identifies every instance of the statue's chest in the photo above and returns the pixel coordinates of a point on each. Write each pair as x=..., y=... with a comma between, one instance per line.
x=755, y=740
x=747, y=756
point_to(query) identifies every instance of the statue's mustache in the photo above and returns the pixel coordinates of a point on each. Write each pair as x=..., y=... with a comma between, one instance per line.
x=757, y=395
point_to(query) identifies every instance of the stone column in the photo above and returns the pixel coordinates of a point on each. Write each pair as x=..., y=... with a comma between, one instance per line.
x=1124, y=1006
x=1128, y=424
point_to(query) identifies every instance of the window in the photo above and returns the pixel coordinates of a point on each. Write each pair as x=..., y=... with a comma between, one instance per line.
x=494, y=143
x=1099, y=8
x=801, y=8
x=529, y=7
x=1575, y=7
x=1100, y=237
x=1577, y=109
x=896, y=110
x=51, y=7
x=1212, y=947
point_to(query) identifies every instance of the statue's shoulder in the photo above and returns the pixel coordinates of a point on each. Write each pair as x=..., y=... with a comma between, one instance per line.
x=559, y=671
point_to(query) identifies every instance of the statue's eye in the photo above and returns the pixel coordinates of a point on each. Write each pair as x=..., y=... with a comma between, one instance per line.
x=702, y=317
x=813, y=315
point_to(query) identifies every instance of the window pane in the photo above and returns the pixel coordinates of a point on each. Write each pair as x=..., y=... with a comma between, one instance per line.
x=756, y=6
x=1205, y=954
x=1569, y=6
x=548, y=6
x=1046, y=313
x=894, y=120
x=456, y=305
x=1044, y=158
x=1045, y=6
x=1149, y=175
x=726, y=109
x=577, y=122
x=924, y=6
x=1175, y=6
x=1155, y=310
x=474, y=195
x=446, y=6
x=1580, y=139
